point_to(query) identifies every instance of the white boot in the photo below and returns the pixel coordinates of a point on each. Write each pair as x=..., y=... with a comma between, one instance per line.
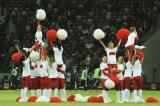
x=126, y=95
x=140, y=96
x=118, y=97
x=122, y=98
x=134, y=96
x=63, y=95
x=105, y=96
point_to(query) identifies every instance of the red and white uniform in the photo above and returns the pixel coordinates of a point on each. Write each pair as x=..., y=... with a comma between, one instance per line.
x=104, y=77
x=58, y=55
x=111, y=58
x=131, y=39
x=33, y=70
x=120, y=67
x=61, y=77
x=38, y=38
x=128, y=70
x=137, y=79
x=52, y=71
x=33, y=76
x=128, y=75
x=37, y=69
x=43, y=67
x=111, y=55
x=61, y=74
x=26, y=73
x=26, y=68
x=53, y=75
x=104, y=66
x=137, y=68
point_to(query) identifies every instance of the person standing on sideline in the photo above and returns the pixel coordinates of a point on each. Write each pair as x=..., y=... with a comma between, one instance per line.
x=97, y=74
x=84, y=78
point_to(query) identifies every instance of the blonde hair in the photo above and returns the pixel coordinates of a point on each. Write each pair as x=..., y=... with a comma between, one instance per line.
x=122, y=62
x=132, y=29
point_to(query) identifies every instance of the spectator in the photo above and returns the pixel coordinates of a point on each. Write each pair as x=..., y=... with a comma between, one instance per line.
x=14, y=78
x=84, y=77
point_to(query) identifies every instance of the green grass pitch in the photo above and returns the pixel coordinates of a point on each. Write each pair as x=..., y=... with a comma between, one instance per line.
x=8, y=97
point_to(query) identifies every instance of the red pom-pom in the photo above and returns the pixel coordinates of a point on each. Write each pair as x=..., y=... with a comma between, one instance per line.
x=91, y=99
x=55, y=100
x=123, y=34
x=152, y=100
x=32, y=99
x=17, y=99
x=96, y=99
x=99, y=99
x=51, y=35
x=115, y=79
x=16, y=57
x=71, y=98
x=140, y=54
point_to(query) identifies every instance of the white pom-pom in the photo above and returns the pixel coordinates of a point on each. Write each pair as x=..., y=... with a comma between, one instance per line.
x=109, y=84
x=80, y=98
x=98, y=34
x=62, y=34
x=34, y=56
x=40, y=14
x=23, y=100
x=43, y=99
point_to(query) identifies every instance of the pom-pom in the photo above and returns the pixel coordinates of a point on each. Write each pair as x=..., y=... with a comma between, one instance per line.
x=109, y=84
x=123, y=34
x=51, y=35
x=40, y=14
x=80, y=98
x=98, y=34
x=16, y=57
x=152, y=100
x=115, y=79
x=99, y=99
x=55, y=100
x=34, y=56
x=17, y=99
x=91, y=99
x=42, y=99
x=32, y=99
x=71, y=98
x=62, y=34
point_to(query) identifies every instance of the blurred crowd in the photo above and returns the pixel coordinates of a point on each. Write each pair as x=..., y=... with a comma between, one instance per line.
x=80, y=18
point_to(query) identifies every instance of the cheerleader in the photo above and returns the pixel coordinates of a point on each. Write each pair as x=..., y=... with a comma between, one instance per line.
x=25, y=77
x=33, y=79
x=58, y=51
x=127, y=81
x=137, y=79
x=38, y=78
x=53, y=77
x=130, y=44
x=111, y=54
x=104, y=76
x=35, y=82
x=119, y=85
x=43, y=67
